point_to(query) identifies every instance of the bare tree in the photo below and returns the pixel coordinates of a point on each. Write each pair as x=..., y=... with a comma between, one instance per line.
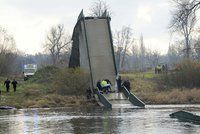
x=58, y=42
x=195, y=5
x=7, y=52
x=176, y=52
x=142, y=53
x=100, y=8
x=134, y=60
x=184, y=20
x=123, y=41
x=155, y=58
x=196, y=46
x=7, y=42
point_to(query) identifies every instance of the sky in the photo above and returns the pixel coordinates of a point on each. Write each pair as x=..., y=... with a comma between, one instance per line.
x=29, y=21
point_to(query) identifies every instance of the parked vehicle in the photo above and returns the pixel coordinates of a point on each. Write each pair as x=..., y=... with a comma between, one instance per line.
x=29, y=70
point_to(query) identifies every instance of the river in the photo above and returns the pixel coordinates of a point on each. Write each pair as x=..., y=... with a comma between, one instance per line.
x=154, y=119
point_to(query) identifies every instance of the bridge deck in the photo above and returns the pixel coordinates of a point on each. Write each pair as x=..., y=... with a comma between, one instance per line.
x=115, y=96
x=117, y=100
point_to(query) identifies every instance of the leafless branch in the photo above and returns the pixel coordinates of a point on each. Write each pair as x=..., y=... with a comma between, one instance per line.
x=57, y=42
x=100, y=8
x=184, y=20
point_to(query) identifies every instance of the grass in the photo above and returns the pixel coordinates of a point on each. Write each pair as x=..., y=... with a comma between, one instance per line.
x=66, y=87
x=148, y=87
x=31, y=94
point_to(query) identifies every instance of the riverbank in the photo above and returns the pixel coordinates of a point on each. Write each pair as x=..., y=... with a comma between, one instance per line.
x=36, y=95
x=148, y=87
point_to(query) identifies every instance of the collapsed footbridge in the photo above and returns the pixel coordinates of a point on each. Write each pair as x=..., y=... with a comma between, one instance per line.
x=92, y=50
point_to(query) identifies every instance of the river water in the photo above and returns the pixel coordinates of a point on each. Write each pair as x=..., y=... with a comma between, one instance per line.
x=154, y=119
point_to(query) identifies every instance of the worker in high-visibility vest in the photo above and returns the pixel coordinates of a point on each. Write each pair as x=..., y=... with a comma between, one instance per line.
x=105, y=85
x=158, y=68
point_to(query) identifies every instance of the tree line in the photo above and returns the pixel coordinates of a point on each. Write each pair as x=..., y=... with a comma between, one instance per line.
x=129, y=54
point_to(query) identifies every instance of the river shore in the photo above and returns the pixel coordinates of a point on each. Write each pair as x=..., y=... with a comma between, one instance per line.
x=145, y=86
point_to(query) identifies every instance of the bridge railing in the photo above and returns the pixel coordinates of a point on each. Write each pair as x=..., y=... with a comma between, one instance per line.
x=125, y=91
x=132, y=98
x=104, y=100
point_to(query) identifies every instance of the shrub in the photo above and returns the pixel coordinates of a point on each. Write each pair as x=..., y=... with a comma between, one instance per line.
x=186, y=74
x=45, y=74
x=66, y=81
x=71, y=81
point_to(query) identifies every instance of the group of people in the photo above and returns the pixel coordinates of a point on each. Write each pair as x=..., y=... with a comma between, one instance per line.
x=105, y=85
x=159, y=69
x=7, y=84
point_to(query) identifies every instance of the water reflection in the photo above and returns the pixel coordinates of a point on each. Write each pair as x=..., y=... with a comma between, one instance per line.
x=104, y=123
x=152, y=120
x=30, y=121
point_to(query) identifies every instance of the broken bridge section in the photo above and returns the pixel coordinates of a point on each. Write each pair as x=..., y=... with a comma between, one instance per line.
x=92, y=48
x=92, y=51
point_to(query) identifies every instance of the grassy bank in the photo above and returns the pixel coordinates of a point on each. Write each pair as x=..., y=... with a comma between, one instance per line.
x=149, y=88
x=34, y=95
x=47, y=88
x=53, y=87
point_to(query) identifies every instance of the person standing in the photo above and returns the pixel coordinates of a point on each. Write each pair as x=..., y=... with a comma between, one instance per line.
x=127, y=84
x=119, y=81
x=14, y=83
x=7, y=84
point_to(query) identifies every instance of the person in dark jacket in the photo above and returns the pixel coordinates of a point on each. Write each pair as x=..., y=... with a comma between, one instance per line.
x=14, y=83
x=127, y=84
x=119, y=81
x=7, y=84
x=99, y=85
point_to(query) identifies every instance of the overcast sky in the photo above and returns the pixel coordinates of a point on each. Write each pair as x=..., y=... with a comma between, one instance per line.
x=30, y=20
